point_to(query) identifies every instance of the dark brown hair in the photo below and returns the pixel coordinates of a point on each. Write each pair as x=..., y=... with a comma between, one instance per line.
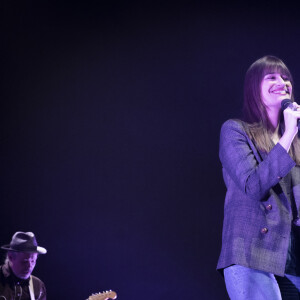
x=255, y=113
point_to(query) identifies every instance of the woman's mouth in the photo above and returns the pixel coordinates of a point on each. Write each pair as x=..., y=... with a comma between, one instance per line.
x=280, y=92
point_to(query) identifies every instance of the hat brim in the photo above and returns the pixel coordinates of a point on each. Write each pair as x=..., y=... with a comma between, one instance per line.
x=39, y=250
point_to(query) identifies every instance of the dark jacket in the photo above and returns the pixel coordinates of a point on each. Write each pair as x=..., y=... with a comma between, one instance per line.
x=257, y=213
x=15, y=288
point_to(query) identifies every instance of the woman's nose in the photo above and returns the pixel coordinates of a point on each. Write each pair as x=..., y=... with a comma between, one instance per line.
x=280, y=80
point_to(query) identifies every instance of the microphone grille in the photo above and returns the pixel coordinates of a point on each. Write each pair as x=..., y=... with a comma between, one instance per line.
x=285, y=103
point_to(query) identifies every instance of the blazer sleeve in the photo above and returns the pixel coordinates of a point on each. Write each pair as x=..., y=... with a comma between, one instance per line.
x=239, y=162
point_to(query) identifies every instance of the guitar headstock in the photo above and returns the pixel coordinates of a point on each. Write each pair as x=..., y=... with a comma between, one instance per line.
x=103, y=296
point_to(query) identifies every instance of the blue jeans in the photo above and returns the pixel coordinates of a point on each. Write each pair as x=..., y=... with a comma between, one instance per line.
x=249, y=284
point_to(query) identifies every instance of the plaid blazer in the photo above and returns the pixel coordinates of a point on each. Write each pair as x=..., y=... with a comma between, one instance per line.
x=257, y=213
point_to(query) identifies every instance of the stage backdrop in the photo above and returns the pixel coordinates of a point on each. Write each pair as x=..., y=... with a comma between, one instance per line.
x=110, y=120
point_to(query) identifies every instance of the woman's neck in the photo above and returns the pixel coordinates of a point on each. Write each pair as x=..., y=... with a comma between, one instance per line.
x=275, y=135
x=273, y=115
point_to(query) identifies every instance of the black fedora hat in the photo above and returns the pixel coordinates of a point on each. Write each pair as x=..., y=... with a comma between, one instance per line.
x=24, y=242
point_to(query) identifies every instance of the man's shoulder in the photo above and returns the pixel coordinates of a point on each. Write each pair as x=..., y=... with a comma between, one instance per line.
x=37, y=281
x=39, y=288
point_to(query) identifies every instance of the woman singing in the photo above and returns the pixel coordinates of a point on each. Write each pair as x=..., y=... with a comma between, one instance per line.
x=260, y=155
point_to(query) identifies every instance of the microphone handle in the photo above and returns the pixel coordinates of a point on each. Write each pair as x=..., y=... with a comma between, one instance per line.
x=291, y=106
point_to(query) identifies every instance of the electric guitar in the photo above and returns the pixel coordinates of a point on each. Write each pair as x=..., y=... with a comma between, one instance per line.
x=103, y=296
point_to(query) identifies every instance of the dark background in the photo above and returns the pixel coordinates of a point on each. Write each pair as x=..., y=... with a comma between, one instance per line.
x=110, y=119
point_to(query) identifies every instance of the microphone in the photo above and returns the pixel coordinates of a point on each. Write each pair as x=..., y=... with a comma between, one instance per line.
x=287, y=103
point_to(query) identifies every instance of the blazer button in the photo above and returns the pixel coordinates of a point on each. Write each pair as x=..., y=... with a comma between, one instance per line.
x=269, y=207
x=264, y=230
